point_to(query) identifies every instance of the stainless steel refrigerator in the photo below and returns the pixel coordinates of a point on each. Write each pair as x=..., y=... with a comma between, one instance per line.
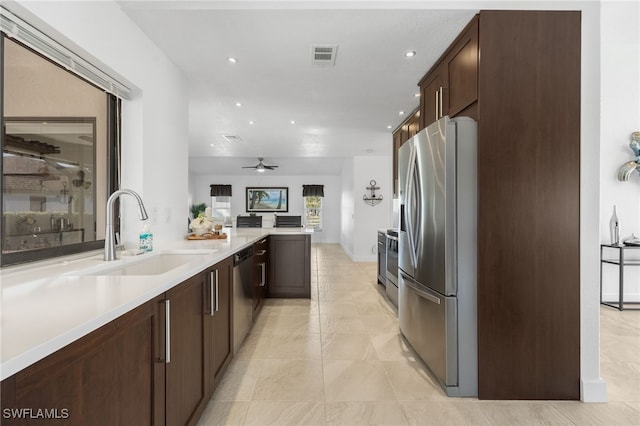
x=437, y=172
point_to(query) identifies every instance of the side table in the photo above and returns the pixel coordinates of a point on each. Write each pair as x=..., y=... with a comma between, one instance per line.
x=621, y=262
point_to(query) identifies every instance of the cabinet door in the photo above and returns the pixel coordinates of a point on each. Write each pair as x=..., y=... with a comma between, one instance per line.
x=289, y=266
x=433, y=96
x=186, y=391
x=413, y=125
x=115, y=366
x=218, y=325
x=462, y=71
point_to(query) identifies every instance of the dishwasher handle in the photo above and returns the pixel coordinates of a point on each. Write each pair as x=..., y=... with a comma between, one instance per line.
x=242, y=255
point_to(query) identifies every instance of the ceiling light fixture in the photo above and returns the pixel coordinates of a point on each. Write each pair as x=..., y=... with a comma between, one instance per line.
x=251, y=122
x=416, y=95
x=400, y=112
x=389, y=126
x=238, y=104
x=261, y=167
x=293, y=121
x=410, y=54
x=232, y=60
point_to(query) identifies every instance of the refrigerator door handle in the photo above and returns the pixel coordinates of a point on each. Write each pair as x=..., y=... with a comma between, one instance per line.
x=424, y=293
x=408, y=212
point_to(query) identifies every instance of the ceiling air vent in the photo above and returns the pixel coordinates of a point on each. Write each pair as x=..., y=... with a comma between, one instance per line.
x=231, y=138
x=324, y=54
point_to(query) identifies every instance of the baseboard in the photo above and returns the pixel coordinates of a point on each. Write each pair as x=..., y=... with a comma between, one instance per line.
x=367, y=258
x=347, y=251
x=593, y=390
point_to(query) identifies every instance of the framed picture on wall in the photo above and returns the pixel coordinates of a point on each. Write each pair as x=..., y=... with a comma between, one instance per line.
x=267, y=199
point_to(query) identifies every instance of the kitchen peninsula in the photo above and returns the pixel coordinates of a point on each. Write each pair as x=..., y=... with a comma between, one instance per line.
x=69, y=323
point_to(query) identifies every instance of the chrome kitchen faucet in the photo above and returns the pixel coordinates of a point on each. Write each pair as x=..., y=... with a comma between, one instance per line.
x=109, y=234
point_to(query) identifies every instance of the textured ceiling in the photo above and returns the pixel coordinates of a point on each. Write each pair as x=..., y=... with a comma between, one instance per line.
x=339, y=111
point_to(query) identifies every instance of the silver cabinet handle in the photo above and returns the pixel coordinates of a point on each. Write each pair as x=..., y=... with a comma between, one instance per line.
x=441, y=109
x=263, y=241
x=211, y=302
x=167, y=355
x=263, y=273
x=261, y=252
x=217, y=287
x=437, y=105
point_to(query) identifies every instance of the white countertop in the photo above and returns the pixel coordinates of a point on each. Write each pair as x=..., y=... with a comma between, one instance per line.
x=44, y=306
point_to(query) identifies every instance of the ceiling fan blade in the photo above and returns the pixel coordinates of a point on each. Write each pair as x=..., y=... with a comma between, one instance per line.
x=260, y=166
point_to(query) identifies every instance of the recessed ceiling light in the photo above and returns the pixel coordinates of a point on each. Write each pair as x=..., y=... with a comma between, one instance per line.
x=293, y=122
x=389, y=126
x=416, y=95
x=238, y=104
x=211, y=144
x=410, y=54
x=251, y=122
x=400, y=112
x=232, y=60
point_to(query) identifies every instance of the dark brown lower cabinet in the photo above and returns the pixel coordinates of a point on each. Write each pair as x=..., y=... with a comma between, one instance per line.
x=218, y=331
x=110, y=377
x=157, y=364
x=289, y=266
x=186, y=387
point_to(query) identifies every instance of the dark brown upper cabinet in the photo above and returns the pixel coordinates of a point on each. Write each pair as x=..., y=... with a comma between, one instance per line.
x=450, y=87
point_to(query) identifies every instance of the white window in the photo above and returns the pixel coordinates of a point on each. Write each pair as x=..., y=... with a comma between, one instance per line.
x=221, y=209
x=313, y=212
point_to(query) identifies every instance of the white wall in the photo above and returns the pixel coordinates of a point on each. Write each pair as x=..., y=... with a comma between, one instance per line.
x=620, y=116
x=154, y=147
x=347, y=207
x=359, y=234
x=330, y=203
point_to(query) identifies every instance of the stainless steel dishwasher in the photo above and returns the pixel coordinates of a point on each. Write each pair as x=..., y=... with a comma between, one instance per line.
x=242, y=295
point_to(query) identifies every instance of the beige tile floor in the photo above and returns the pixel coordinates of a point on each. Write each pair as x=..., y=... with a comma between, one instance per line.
x=338, y=359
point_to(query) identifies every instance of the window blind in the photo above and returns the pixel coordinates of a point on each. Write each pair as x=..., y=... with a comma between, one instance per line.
x=313, y=190
x=220, y=190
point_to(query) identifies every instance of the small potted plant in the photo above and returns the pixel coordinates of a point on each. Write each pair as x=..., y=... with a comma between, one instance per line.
x=197, y=209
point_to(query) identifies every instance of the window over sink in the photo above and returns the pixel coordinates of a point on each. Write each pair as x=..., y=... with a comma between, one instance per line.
x=59, y=157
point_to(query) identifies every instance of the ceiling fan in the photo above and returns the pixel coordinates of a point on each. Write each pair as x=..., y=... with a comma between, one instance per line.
x=261, y=167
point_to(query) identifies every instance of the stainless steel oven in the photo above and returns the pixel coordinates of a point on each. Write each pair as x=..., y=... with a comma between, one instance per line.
x=392, y=266
x=382, y=257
